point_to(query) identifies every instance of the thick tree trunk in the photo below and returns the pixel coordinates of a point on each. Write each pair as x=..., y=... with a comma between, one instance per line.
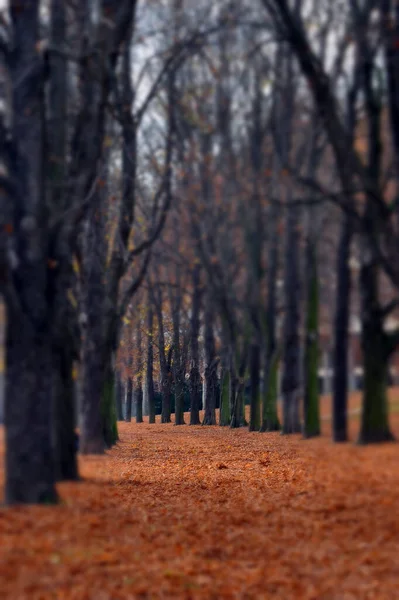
x=311, y=426
x=166, y=386
x=129, y=400
x=225, y=414
x=210, y=367
x=270, y=420
x=254, y=422
x=164, y=361
x=93, y=373
x=291, y=342
x=341, y=335
x=108, y=407
x=138, y=395
x=119, y=390
x=30, y=469
x=195, y=377
x=238, y=412
x=138, y=388
x=177, y=365
x=374, y=421
x=65, y=447
x=195, y=395
x=150, y=367
x=30, y=473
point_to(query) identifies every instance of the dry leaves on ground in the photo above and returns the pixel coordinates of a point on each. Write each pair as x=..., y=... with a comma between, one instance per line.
x=207, y=512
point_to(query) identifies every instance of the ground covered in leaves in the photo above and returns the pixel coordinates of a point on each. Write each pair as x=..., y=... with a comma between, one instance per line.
x=207, y=512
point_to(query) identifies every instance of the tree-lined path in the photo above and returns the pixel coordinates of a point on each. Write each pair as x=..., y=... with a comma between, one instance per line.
x=210, y=512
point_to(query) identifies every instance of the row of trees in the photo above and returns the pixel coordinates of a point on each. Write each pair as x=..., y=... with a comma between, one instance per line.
x=190, y=183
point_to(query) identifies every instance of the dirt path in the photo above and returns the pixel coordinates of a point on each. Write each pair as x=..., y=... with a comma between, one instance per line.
x=199, y=512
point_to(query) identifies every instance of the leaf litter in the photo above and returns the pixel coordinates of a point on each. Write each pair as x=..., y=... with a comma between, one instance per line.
x=209, y=512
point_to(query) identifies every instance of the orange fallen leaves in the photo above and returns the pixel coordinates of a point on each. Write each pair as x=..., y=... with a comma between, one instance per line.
x=207, y=512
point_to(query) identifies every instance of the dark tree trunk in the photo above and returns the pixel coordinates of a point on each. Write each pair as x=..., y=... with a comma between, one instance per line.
x=164, y=360
x=254, y=367
x=311, y=426
x=195, y=377
x=291, y=341
x=341, y=335
x=270, y=421
x=178, y=374
x=225, y=391
x=210, y=367
x=30, y=470
x=108, y=407
x=119, y=390
x=166, y=386
x=129, y=400
x=138, y=394
x=233, y=381
x=138, y=391
x=30, y=473
x=93, y=372
x=376, y=354
x=150, y=367
x=65, y=447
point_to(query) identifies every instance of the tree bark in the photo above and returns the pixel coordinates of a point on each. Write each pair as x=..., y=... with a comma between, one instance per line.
x=108, y=407
x=178, y=375
x=30, y=469
x=374, y=420
x=291, y=342
x=195, y=377
x=129, y=400
x=65, y=447
x=150, y=366
x=341, y=335
x=210, y=366
x=225, y=390
x=311, y=427
x=254, y=366
x=119, y=390
x=270, y=421
x=138, y=391
x=30, y=473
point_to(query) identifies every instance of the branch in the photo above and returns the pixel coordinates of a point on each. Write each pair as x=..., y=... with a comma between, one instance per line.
x=134, y=286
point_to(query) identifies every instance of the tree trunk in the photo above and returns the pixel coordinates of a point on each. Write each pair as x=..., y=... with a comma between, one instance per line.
x=195, y=395
x=129, y=400
x=270, y=420
x=30, y=472
x=177, y=365
x=65, y=447
x=108, y=407
x=166, y=386
x=254, y=422
x=138, y=393
x=150, y=367
x=225, y=416
x=195, y=377
x=210, y=367
x=138, y=390
x=291, y=342
x=164, y=360
x=374, y=421
x=341, y=335
x=93, y=370
x=119, y=390
x=311, y=381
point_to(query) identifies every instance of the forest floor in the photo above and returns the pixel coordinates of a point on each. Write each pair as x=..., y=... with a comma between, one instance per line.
x=209, y=512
